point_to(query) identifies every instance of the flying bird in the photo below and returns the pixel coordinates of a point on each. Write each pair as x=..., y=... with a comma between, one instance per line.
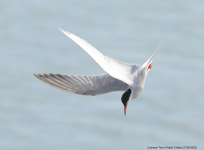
x=119, y=76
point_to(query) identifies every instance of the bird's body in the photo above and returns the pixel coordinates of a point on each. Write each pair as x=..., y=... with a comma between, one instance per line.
x=119, y=76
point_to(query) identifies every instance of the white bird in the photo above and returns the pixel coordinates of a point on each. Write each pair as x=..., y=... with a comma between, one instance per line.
x=119, y=76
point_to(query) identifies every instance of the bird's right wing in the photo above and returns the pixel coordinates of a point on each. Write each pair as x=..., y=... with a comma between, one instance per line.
x=117, y=69
x=84, y=85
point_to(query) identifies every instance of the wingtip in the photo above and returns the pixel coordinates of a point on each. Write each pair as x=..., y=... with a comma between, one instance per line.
x=65, y=32
x=34, y=74
x=37, y=75
x=60, y=29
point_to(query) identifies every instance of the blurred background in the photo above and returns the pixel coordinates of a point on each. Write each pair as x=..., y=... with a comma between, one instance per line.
x=168, y=112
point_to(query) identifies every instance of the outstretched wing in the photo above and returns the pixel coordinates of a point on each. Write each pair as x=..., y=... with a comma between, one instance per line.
x=84, y=85
x=117, y=69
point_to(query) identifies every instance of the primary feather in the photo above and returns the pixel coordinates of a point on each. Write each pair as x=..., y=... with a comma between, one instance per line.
x=84, y=85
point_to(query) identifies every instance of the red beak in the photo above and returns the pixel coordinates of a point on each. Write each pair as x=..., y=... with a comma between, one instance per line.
x=125, y=107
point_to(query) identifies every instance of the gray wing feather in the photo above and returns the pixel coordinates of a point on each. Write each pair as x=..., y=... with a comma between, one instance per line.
x=84, y=85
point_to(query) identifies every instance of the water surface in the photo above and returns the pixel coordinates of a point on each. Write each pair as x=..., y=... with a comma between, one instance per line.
x=168, y=112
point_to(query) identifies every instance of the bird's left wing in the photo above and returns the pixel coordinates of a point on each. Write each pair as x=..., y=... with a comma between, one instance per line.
x=84, y=85
x=117, y=69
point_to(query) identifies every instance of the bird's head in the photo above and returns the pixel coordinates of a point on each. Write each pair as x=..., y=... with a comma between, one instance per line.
x=126, y=99
x=129, y=95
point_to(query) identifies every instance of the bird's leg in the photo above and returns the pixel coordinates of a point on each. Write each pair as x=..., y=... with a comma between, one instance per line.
x=150, y=66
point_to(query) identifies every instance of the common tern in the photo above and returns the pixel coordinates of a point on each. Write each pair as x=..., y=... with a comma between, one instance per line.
x=119, y=76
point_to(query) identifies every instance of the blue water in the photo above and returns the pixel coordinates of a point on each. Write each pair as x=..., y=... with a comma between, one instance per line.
x=168, y=112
